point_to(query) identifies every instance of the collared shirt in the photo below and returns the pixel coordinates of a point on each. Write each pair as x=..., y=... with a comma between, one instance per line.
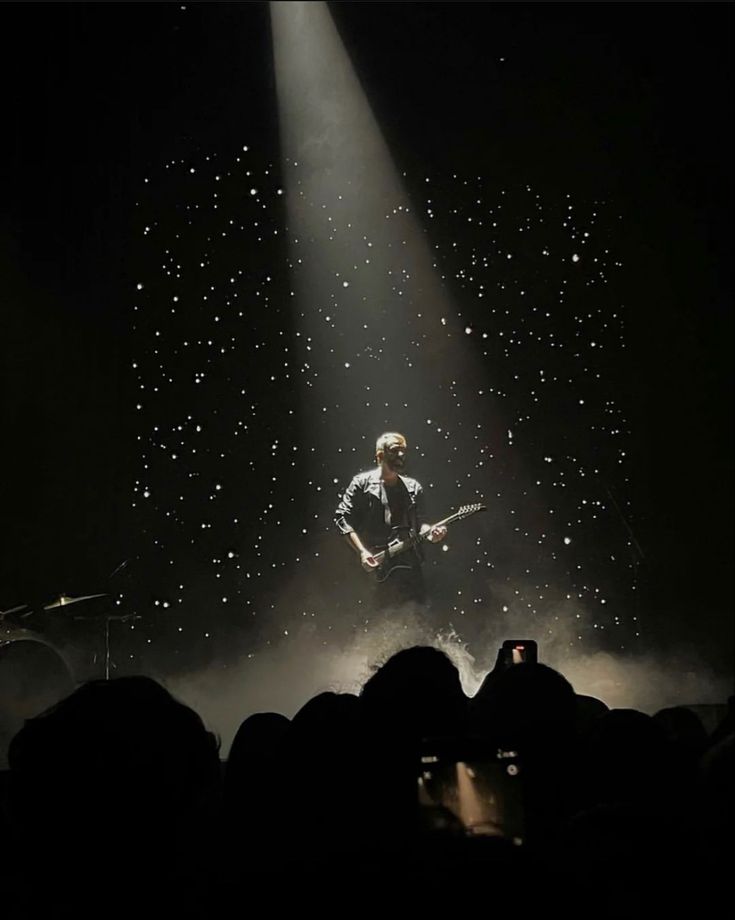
x=365, y=508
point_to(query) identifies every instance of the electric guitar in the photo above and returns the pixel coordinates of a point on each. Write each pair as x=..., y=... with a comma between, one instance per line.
x=401, y=544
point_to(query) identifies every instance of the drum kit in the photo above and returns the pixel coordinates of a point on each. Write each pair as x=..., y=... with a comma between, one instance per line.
x=38, y=665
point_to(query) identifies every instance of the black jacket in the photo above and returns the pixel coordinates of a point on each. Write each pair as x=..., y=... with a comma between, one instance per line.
x=364, y=508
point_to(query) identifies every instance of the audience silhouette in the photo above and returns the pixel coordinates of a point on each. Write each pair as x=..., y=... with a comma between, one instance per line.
x=117, y=793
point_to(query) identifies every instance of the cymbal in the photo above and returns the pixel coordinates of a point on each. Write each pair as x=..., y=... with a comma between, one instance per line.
x=63, y=600
x=4, y=613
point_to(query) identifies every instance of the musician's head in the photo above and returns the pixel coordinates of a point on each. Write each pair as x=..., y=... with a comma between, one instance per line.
x=390, y=448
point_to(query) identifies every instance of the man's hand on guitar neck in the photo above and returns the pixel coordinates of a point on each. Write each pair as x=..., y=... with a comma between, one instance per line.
x=436, y=534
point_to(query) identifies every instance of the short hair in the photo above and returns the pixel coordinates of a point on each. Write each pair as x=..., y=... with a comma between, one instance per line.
x=385, y=438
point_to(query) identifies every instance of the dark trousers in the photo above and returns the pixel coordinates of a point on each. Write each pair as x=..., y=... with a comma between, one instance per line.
x=402, y=586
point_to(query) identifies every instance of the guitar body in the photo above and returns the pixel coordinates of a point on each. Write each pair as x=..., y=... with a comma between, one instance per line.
x=391, y=556
x=404, y=540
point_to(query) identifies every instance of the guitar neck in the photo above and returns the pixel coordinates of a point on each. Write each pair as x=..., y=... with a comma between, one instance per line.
x=418, y=538
x=400, y=546
x=447, y=520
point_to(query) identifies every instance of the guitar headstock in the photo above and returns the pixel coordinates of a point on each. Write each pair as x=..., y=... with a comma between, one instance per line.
x=465, y=511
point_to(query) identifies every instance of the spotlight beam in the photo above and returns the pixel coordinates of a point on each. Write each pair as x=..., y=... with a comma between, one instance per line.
x=382, y=328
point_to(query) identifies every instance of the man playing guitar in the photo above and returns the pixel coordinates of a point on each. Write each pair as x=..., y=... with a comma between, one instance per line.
x=383, y=508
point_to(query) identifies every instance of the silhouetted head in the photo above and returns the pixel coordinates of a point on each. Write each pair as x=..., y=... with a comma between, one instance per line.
x=627, y=729
x=628, y=758
x=254, y=775
x=527, y=706
x=682, y=728
x=257, y=736
x=326, y=712
x=128, y=735
x=117, y=774
x=589, y=710
x=418, y=689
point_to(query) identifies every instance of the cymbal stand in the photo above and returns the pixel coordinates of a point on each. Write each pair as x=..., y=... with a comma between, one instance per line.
x=109, y=619
x=122, y=619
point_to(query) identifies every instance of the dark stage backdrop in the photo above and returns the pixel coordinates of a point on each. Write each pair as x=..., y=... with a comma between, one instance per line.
x=623, y=109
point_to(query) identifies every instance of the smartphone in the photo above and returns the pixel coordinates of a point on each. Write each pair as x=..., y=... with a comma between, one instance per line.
x=468, y=790
x=519, y=651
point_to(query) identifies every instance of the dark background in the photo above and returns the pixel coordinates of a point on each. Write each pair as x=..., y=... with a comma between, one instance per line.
x=633, y=101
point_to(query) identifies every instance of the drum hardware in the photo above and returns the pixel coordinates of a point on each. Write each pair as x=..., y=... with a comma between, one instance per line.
x=11, y=610
x=58, y=605
x=123, y=618
x=63, y=600
x=93, y=611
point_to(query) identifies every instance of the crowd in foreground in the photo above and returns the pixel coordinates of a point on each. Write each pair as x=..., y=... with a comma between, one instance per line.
x=526, y=798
